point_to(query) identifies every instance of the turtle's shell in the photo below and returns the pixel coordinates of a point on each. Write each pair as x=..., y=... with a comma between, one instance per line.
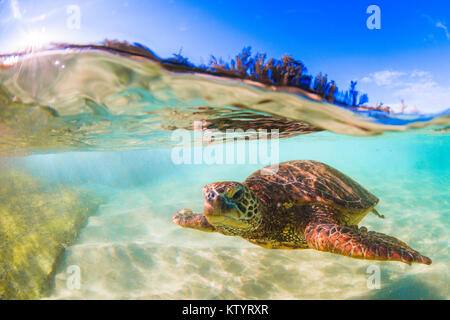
x=301, y=182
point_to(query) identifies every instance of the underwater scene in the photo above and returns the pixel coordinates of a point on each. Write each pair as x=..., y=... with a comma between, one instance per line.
x=128, y=172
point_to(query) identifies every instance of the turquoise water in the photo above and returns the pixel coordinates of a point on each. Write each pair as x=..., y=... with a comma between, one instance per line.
x=130, y=249
x=117, y=145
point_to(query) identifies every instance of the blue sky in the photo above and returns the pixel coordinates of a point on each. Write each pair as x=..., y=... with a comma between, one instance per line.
x=406, y=59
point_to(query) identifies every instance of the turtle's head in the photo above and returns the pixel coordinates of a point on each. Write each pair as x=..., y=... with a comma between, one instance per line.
x=231, y=207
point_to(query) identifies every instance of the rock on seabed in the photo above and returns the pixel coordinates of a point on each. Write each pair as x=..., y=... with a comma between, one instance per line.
x=37, y=222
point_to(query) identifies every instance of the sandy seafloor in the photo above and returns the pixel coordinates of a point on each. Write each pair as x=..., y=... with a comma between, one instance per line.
x=130, y=249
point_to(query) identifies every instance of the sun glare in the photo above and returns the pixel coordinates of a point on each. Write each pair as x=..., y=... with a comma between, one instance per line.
x=35, y=39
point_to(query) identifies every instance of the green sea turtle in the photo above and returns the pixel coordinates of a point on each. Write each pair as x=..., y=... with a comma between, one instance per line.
x=304, y=204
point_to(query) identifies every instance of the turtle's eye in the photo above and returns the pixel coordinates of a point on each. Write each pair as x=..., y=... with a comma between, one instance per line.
x=237, y=195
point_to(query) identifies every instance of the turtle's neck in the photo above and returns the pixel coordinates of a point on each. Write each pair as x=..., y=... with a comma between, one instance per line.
x=262, y=225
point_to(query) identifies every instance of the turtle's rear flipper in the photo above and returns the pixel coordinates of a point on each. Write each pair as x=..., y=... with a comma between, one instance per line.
x=359, y=243
x=375, y=212
x=186, y=218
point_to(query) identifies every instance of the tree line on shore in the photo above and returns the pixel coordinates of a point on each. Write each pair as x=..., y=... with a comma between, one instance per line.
x=285, y=72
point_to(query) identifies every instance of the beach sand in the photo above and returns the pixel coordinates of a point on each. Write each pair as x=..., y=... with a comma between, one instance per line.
x=130, y=250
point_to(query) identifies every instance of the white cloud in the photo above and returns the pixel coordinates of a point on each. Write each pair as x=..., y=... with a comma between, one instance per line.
x=15, y=9
x=425, y=96
x=366, y=80
x=439, y=24
x=386, y=77
x=416, y=88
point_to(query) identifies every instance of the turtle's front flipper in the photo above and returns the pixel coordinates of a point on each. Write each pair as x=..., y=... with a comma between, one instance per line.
x=359, y=243
x=186, y=218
